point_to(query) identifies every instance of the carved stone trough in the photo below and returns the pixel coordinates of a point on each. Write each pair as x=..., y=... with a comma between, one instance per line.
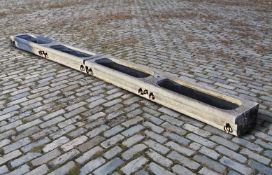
x=233, y=115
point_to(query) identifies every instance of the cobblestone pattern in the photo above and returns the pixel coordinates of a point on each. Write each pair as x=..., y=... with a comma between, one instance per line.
x=57, y=120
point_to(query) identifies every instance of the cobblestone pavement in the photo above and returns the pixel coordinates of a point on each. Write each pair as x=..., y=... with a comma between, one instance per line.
x=57, y=120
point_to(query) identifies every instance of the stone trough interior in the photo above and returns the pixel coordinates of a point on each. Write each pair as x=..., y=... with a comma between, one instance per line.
x=197, y=95
x=37, y=40
x=70, y=51
x=122, y=68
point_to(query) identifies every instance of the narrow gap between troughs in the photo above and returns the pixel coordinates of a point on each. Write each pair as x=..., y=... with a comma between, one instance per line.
x=68, y=50
x=197, y=95
x=38, y=39
x=121, y=68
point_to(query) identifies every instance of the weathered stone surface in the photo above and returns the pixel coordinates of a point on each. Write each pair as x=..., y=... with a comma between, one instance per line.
x=3, y=169
x=177, y=138
x=38, y=143
x=24, y=159
x=153, y=127
x=63, y=169
x=236, y=166
x=201, y=140
x=113, y=131
x=181, y=149
x=132, y=130
x=91, y=165
x=194, y=40
x=109, y=166
x=181, y=170
x=91, y=143
x=207, y=171
x=159, y=158
x=183, y=160
x=132, y=121
x=260, y=167
x=134, y=165
x=20, y=171
x=196, y=130
x=64, y=157
x=16, y=145
x=56, y=143
x=231, y=154
x=133, y=150
x=112, y=152
x=46, y=157
x=111, y=141
x=174, y=128
x=9, y=156
x=209, y=152
x=4, y=142
x=73, y=143
x=211, y=164
x=88, y=155
x=41, y=170
x=157, y=146
x=132, y=140
x=247, y=144
x=225, y=142
x=156, y=169
x=255, y=156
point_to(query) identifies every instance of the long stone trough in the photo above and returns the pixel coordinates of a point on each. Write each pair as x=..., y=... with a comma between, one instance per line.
x=233, y=115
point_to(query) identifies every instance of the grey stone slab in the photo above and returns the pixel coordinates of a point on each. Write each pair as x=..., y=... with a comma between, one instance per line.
x=205, y=170
x=91, y=143
x=219, y=112
x=157, y=137
x=3, y=169
x=56, y=143
x=159, y=158
x=24, y=159
x=225, y=142
x=64, y=158
x=260, y=167
x=9, y=156
x=157, y=146
x=91, y=165
x=232, y=154
x=109, y=166
x=112, y=152
x=113, y=140
x=255, y=156
x=180, y=170
x=181, y=149
x=46, y=157
x=209, y=152
x=132, y=140
x=63, y=169
x=132, y=130
x=156, y=169
x=196, y=130
x=37, y=143
x=211, y=164
x=191, y=164
x=41, y=170
x=201, y=140
x=133, y=150
x=20, y=171
x=236, y=166
x=73, y=143
x=88, y=154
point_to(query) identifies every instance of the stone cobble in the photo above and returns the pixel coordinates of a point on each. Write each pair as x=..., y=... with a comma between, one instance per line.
x=55, y=120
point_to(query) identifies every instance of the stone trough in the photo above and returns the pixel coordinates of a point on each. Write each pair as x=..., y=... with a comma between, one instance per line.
x=233, y=115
